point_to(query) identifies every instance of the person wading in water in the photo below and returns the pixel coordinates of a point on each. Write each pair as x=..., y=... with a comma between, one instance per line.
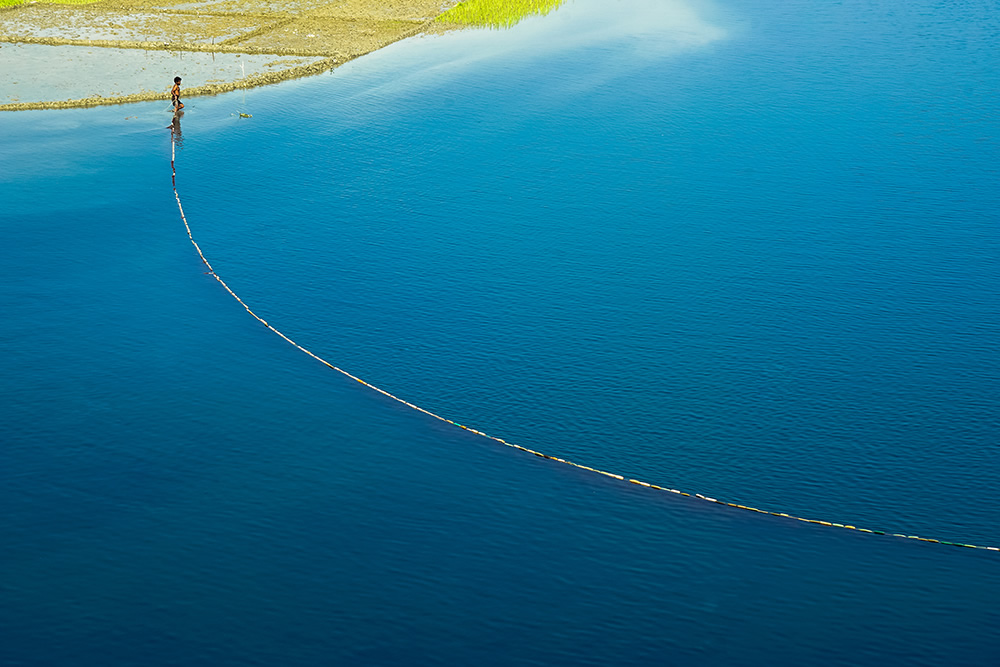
x=175, y=95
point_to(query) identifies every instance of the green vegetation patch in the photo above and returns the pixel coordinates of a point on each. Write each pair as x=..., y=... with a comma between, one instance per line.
x=495, y=13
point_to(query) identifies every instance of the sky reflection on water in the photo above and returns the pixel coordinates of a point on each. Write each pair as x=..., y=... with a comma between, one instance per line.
x=635, y=34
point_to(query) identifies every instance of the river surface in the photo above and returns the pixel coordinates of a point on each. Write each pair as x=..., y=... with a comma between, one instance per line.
x=745, y=249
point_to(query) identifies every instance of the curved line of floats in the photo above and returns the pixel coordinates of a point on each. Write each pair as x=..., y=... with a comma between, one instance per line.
x=260, y=319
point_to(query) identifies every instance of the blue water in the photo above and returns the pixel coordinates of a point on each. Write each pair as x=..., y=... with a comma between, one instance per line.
x=747, y=249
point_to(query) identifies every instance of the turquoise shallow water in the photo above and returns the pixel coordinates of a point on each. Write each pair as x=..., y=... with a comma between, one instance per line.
x=743, y=250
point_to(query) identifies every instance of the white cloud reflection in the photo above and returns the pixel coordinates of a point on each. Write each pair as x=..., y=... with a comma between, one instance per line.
x=629, y=33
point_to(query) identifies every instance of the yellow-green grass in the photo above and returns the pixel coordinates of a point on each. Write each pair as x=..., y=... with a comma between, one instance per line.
x=495, y=13
x=11, y=3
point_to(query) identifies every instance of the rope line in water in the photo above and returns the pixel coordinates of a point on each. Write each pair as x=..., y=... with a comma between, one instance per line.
x=211, y=271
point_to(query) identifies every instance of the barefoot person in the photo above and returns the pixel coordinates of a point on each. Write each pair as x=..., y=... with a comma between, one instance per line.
x=175, y=95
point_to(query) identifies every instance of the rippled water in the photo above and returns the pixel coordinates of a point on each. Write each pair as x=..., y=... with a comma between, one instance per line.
x=741, y=249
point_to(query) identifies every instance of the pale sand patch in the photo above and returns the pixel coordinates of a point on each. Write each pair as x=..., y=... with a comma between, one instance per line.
x=121, y=51
x=75, y=23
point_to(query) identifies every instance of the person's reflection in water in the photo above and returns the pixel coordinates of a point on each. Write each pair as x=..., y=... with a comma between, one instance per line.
x=175, y=130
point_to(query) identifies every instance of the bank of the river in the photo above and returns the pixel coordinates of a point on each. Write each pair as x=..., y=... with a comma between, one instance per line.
x=55, y=56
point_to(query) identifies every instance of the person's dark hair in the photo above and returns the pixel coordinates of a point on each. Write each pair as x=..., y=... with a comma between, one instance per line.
x=177, y=79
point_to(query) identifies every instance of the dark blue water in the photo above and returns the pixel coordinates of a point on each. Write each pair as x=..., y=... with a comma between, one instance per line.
x=748, y=250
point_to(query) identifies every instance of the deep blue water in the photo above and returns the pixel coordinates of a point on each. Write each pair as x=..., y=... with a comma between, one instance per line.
x=748, y=250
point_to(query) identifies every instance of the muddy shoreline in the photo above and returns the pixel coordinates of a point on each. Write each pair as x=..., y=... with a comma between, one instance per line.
x=125, y=51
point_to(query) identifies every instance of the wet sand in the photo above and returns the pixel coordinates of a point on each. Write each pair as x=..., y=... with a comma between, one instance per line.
x=120, y=51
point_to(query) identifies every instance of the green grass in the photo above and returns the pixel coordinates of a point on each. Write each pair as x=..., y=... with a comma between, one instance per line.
x=495, y=13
